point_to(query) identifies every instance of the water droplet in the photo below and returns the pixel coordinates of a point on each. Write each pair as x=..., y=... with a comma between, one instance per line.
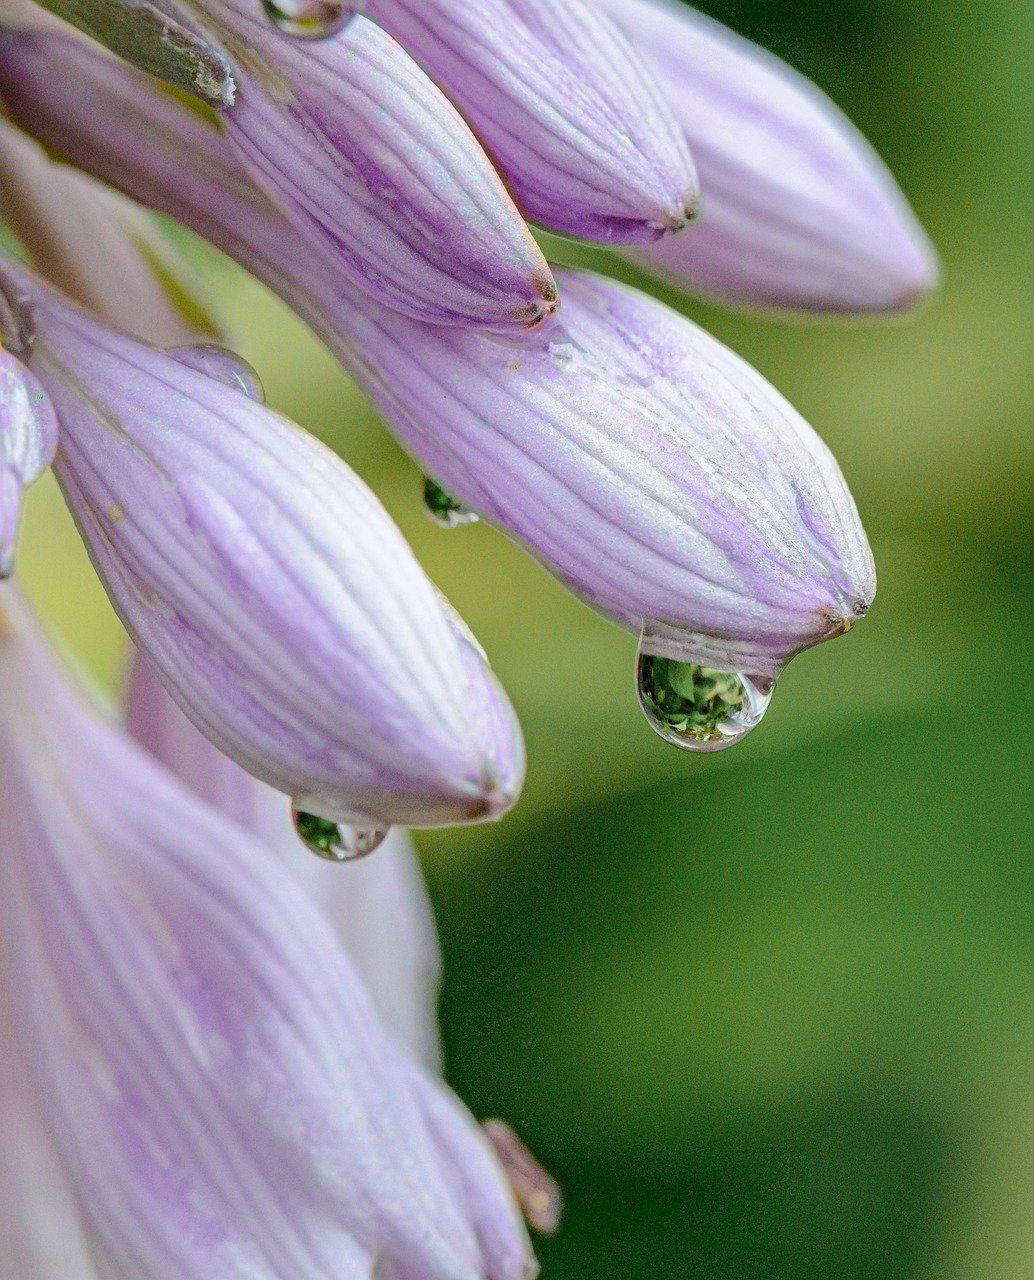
x=536, y=1190
x=307, y=19
x=222, y=365
x=699, y=708
x=336, y=841
x=443, y=508
x=17, y=324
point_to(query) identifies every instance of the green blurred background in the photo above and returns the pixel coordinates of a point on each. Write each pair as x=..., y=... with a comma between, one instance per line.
x=768, y=1013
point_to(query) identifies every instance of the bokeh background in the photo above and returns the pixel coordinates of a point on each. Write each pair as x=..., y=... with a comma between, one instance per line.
x=768, y=1013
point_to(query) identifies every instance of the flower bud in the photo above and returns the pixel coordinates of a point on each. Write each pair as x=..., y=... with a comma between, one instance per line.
x=577, y=124
x=798, y=211
x=218, y=1089
x=657, y=474
x=281, y=605
x=28, y=438
x=370, y=161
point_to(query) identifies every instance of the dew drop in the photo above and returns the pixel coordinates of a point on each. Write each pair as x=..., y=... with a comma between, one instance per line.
x=443, y=508
x=222, y=365
x=307, y=19
x=700, y=708
x=535, y=1189
x=17, y=324
x=336, y=841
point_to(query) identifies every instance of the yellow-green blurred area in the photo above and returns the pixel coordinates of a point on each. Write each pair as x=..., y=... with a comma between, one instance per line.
x=766, y=1014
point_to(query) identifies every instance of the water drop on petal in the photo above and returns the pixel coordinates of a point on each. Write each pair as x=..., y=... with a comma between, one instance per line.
x=700, y=708
x=223, y=366
x=443, y=508
x=336, y=841
x=307, y=19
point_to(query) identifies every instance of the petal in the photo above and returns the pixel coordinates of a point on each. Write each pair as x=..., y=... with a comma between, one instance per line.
x=659, y=476
x=798, y=210
x=95, y=246
x=42, y=1236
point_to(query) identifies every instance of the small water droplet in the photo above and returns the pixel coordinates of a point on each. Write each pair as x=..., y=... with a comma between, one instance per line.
x=222, y=365
x=17, y=324
x=307, y=19
x=566, y=356
x=700, y=708
x=536, y=1190
x=443, y=508
x=336, y=841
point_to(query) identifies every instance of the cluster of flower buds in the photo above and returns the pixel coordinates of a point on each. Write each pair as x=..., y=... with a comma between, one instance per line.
x=212, y=1041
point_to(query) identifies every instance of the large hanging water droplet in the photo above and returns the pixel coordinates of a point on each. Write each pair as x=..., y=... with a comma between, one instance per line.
x=443, y=508
x=307, y=19
x=336, y=841
x=699, y=708
x=222, y=365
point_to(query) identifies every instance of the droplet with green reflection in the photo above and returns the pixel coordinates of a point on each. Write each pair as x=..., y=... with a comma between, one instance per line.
x=307, y=19
x=700, y=708
x=336, y=841
x=443, y=508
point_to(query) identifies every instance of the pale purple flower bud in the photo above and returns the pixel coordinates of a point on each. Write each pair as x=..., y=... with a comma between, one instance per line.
x=657, y=474
x=371, y=162
x=577, y=124
x=218, y=1089
x=280, y=603
x=28, y=438
x=798, y=211
x=379, y=906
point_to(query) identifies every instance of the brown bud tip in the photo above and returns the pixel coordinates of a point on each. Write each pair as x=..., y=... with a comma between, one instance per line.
x=538, y=1192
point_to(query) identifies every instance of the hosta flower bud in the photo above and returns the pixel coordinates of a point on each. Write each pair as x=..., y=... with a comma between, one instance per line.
x=218, y=1089
x=370, y=161
x=379, y=906
x=281, y=605
x=798, y=211
x=657, y=474
x=575, y=121
x=28, y=438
